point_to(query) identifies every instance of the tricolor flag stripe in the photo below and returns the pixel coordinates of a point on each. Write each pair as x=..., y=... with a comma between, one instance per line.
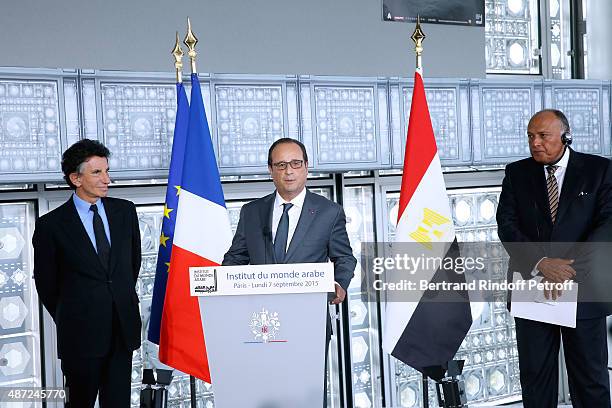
x=182, y=344
x=206, y=235
x=421, y=150
x=175, y=172
x=426, y=196
x=202, y=237
x=204, y=180
x=430, y=331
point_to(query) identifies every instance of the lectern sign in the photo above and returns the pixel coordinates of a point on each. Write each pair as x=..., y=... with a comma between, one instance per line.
x=261, y=279
x=265, y=326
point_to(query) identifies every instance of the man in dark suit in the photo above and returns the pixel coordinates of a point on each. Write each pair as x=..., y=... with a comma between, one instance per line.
x=86, y=262
x=293, y=225
x=551, y=205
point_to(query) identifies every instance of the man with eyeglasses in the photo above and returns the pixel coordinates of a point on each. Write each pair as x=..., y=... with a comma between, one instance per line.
x=293, y=225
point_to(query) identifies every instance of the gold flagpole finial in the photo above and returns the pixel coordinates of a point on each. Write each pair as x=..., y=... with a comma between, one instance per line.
x=178, y=59
x=190, y=41
x=418, y=36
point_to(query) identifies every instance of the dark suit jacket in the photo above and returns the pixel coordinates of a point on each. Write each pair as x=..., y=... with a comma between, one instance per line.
x=77, y=290
x=584, y=216
x=319, y=236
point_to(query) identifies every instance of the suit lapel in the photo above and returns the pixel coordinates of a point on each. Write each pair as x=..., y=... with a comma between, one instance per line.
x=539, y=191
x=307, y=216
x=80, y=239
x=265, y=217
x=571, y=183
x=114, y=225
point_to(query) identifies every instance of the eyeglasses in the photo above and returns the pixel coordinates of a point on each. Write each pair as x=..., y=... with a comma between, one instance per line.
x=295, y=164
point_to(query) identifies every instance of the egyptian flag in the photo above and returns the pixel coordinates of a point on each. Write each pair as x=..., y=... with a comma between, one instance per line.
x=202, y=236
x=424, y=331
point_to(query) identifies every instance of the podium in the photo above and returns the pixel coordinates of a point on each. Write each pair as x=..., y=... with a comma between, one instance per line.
x=264, y=328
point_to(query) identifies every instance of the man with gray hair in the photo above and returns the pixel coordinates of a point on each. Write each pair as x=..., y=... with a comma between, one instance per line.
x=86, y=262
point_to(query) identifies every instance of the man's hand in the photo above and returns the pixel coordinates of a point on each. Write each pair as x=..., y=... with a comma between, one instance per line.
x=340, y=295
x=557, y=270
x=553, y=293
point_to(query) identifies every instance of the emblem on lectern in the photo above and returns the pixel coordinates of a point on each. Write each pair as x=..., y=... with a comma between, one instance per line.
x=265, y=325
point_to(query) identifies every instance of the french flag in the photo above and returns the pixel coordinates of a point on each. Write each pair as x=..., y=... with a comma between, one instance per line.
x=425, y=333
x=201, y=238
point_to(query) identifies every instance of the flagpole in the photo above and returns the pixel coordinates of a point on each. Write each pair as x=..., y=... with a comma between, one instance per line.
x=417, y=37
x=177, y=52
x=190, y=41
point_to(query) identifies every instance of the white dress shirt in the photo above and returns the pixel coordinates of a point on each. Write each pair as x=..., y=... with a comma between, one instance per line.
x=560, y=176
x=294, y=214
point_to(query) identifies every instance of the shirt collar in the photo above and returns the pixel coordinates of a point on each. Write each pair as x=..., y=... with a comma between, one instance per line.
x=564, y=159
x=298, y=201
x=82, y=205
x=562, y=163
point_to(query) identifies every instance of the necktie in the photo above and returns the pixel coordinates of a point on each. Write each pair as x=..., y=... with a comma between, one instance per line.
x=101, y=240
x=282, y=233
x=553, y=191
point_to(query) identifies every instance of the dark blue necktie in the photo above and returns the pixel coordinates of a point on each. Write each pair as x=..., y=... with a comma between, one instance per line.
x=102, y=244
x=282, y=233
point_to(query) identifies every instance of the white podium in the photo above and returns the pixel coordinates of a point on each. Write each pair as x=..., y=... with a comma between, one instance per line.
x=264, y=327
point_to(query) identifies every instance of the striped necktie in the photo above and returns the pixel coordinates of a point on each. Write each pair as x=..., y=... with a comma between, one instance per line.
x=553, y=191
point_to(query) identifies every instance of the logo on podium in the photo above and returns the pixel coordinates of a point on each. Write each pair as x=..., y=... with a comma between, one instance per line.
x=206, y=280
x=265, y=326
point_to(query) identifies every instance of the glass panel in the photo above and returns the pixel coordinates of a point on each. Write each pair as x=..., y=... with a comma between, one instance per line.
x=89, y=109
x=363, y=173
x=12, y=187
x=345, y=124
x=138, y=124
x=29, y=127
x=19, y=318
x=363, y=316
x=511, y=36
x=491, y=368
x=249, y=119
x=583, y=107
x=560, y=61
x=71, y=106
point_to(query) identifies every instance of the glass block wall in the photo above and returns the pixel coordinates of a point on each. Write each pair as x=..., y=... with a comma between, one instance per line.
x=560, y=60
x=512, y=37
x=346, y=123
x=20, y=337
x=363, y=316
x=30, y=126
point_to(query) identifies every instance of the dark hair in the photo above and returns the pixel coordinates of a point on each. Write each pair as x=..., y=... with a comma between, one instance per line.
x=559, y=115
x=79, y=153
x=287, y=140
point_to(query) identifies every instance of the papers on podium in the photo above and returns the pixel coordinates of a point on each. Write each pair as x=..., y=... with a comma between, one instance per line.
x=528, y=302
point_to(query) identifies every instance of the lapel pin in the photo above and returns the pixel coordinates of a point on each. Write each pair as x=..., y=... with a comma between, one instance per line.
x=312, y=211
